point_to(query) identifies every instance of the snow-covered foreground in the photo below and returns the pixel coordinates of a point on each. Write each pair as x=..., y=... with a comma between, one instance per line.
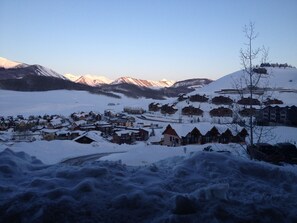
x=201, y=187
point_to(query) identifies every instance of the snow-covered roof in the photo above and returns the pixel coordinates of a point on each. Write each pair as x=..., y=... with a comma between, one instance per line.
x=183, y=129
x=56, y=121
x=49, y=130
x=80, y=122
x=94, y=135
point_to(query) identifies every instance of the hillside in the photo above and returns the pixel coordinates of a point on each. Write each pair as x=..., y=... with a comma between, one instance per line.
x=193, y=83
x=5, y=63
x=275, y=79
x=143, y=83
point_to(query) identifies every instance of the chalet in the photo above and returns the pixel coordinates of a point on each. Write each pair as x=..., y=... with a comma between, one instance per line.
x=62, y=135
x=222, y=100
x=198, y=98
x=182, y=97
x=226, y=137
x=240, y=136
x=125, y=122
x=248, y=101
x=58, y=122
x=93, y=117
x=49, y=134
x=190, y=110
x=89, y=137
x=193, y=137
x=77, y=125
x=75, y=134
x=246, y=112
x=141, y=135
x=180, y=134
x=221, y=112
x=129, y=136
x=109, y=113
x=170, y=137
x=105, y=128
x=211, y=136
x=168, y=109
x=273, y=102
x=154, y=107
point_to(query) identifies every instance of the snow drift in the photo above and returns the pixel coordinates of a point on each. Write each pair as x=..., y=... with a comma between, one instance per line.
x=203, y=187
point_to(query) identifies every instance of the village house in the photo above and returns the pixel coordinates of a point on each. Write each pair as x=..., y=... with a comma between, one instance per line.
x=190, y=110
x=154, y=107
x=221, y=112
x=49, y=134
x=183, y=134
x=182, y=97
x=246, y=112
x=129, y=136
x=109, y=113
x=105, y=128
x=77, y=125
x=193, y=137
x=88, y=137
x=58, y=122
x=170, y=137
x=198, y=98
x=248, y=101
x=222, y=100
x=240, y=136
x=212, y=136
x=120, y=121
x=168, y=109
x=273, y=102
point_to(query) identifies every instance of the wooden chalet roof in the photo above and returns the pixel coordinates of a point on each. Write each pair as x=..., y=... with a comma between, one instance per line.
x=170, y=131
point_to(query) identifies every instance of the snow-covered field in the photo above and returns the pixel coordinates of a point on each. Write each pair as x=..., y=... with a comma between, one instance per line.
x=61, y=102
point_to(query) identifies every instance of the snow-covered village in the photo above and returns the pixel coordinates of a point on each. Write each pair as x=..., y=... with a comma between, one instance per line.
x=81, y=143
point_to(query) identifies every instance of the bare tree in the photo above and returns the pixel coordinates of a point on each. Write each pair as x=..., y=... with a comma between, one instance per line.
x=249, y=57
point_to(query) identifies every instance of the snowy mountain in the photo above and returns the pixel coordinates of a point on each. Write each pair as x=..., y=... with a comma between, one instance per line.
x=93, y=80
x=71, y=77
x=143, y=83
x=13, y=70
x=193, y=83
x=5, y=63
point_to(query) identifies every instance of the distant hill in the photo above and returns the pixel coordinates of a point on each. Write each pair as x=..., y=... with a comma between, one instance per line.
x=193, y=83
x=276, y=78
x=143, y=83
x=91, y=80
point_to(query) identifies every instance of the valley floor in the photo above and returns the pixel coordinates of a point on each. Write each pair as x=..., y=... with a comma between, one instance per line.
x=136, y=183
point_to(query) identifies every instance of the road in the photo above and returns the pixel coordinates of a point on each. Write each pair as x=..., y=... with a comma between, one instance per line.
x=82, y=159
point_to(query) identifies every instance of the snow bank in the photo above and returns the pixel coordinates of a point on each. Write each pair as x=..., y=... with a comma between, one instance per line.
x=202, y=187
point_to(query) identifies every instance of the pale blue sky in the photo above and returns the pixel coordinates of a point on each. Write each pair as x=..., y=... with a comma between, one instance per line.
x=150, y=39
